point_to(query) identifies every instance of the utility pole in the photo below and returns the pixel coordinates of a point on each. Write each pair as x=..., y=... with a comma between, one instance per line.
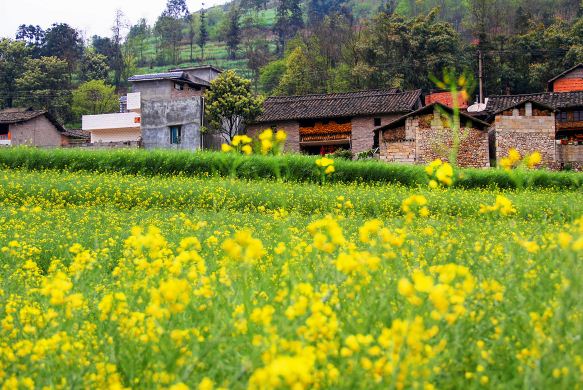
x=481, y=75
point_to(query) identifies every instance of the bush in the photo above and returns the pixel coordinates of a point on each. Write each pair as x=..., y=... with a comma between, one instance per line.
x=293, y=167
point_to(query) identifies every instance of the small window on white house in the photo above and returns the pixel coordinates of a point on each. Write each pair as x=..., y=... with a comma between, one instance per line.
x=175, y=135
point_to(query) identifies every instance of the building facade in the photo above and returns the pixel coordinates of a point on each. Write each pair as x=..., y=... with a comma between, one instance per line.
x=22, y=126
x=426, y=134
x=323, y=123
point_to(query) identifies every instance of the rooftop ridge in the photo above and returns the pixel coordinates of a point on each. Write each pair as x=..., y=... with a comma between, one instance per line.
x=343, y=95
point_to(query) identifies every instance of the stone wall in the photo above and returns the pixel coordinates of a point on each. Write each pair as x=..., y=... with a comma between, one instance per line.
x=292, y=129
x=434, y=141
x=526, y=134
x=38, y=131
x=159, y=115
x=362, y=138
x=394, y=147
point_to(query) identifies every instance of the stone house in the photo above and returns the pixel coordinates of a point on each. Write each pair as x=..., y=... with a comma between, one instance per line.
x=550, y=123
x=425, y=135
x=323, y=123
x=25, y=126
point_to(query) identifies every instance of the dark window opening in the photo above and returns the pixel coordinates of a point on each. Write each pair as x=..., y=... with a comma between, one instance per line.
x=307, y=123
x=563, y=116
x=377, y=121
x=3, y=129
x=179, y=87
x=578, y=116
x=175, y=135
x=342, y=121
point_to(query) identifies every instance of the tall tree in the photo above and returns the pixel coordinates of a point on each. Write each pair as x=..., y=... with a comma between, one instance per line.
x=120, y=25
x=203, y=34
x=41, y=86
x=137, y=38
x=33, y=36
x=305, y=70
x=234, y=31
x=64, y=42
x=288, y=20
x=13, y=56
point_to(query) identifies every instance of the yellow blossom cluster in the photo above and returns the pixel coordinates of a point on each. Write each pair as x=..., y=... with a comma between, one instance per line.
x=515, y=159
x=326, y=165
x=415, y=205
x=440, y=173
x=503, y=206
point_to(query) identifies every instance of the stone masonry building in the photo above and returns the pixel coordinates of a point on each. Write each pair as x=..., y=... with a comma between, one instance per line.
x=425, y=135
x=323, y=123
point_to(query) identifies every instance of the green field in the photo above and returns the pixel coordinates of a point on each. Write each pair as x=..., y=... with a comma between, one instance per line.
x=116, y=279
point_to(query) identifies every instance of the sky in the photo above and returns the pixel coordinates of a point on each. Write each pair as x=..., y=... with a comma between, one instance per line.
x=93, y=17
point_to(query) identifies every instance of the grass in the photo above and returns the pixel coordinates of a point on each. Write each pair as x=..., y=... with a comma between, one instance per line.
x=293, y=168
x=146, y=280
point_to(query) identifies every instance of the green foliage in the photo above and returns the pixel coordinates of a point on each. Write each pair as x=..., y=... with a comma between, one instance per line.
x=230, y=103
x=270, y=76
x=304, y=70
x=93, y=66
x=294, y=168
x=94, y=97
x=13, y=56
x=203, y=35
x=289, y=19
x=234, y=31
x=41, y=86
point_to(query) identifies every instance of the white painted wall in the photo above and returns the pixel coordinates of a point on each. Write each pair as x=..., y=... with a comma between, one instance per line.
x=111, y=121
x=115, y=135
x=134, y=101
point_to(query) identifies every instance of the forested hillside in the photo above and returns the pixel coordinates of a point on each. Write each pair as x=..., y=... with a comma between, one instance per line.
x=298, y=47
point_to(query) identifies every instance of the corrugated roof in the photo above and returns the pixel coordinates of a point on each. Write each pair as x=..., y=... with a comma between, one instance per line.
x=282, y=108
x=555, y=100
x=176, y=76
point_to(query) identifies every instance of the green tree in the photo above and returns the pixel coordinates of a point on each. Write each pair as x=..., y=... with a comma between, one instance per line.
x=93, y=66
x=120, y=25
x=64, y=42
x=270, y=76
x=203, y=34
x=288, y=21
x=94, y=97
x=13, y=56
x=234, y=31
x=305, y=71
x=41, y=86
x=230, y=103
x=137, y=37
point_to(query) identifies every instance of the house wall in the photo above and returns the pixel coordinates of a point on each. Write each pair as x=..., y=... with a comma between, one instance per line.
x=38, y=131
x=572, y=81
x=163, y=90
x=362, y=138
x=395, y=147
x=159, y=115
x=526, y=134
x=292, y=129
x=422, y=140
x=128, y=134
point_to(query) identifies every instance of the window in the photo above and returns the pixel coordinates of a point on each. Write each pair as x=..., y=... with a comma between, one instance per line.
x=175, y=135
x=377, y=121
x=578, y=116
x=4, y=132
x=178, y=87
x=563, y=116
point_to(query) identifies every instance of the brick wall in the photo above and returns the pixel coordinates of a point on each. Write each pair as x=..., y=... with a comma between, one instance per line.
x=292, y=129
x=527, y=134
x=446, y=98
x=38, y=131
x=362, y=131
x=572, y=81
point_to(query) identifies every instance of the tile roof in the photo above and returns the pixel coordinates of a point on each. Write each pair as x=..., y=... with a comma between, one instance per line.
x=177, y=76
x=334, y=105
x=77, y=133
x=17, y=115
x=555, y=100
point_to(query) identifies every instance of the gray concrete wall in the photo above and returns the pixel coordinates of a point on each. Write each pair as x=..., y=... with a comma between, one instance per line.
x=159, y=115
x=154, y=90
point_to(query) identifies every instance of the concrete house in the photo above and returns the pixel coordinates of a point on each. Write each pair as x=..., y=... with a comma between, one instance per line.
x=164, y=110
x=323, y=123
x=425, y=135
x=25, y=126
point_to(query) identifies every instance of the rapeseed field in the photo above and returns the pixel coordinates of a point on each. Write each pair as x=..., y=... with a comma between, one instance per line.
x=111, y=280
